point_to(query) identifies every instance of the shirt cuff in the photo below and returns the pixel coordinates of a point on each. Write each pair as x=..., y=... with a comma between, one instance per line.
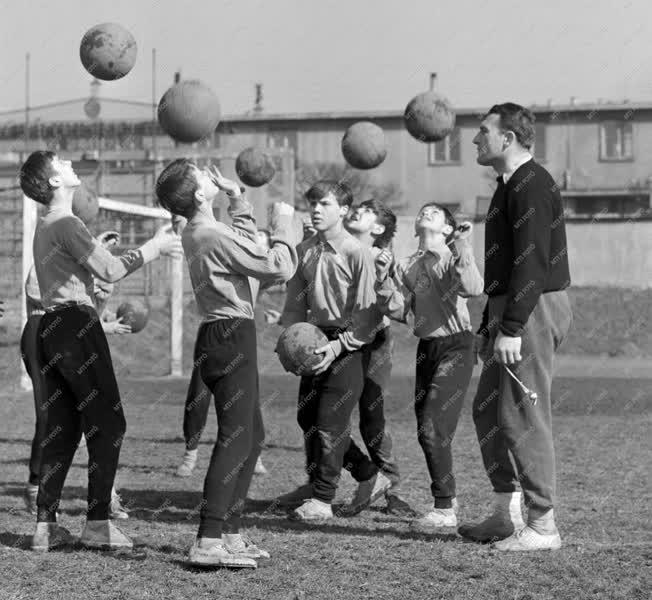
x=150, y=251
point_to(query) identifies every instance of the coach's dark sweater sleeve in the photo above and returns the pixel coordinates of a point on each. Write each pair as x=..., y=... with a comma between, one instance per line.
x=484, y=325
x=529, y=206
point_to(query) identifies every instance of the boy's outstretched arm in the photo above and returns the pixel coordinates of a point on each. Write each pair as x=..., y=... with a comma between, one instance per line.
x=90, y=253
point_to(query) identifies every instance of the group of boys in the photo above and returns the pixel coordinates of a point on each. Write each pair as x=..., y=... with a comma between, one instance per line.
x=344, y=280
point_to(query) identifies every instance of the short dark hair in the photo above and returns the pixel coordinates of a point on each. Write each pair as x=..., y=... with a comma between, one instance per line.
x=176, y=187
x=340, y=190
x=448, y=216
x=35, y=176
x=517, y=119
x=386, y=217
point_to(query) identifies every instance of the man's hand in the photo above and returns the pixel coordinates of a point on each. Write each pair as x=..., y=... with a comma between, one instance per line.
x=229, y=186
x=507, y=350
x=169, y=243
x=330, y=354
x=117, y=327
x=383, y=263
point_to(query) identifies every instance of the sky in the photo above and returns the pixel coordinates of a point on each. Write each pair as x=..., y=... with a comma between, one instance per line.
x=338, y=55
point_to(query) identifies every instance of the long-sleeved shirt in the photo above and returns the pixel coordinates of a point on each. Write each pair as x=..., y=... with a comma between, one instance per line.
x=433, y=287
x=333, y=287
x=67, y=257
x=33, y=294
x=525, y=244
x=224, y=261
x=101, y=293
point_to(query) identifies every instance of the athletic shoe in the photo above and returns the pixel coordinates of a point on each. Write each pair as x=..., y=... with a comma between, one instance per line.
x=295, y=497
x=243, y=546
x=367, y=493
x=29, y=496
x=313, y=510
x=218, y=555
x=437, y=518
x=527, y=539
x=189, y=461
x=260, y=469
x=505, y=520
x=104, y=535
x=116, y=510
x=50, y=535
x=398, y=507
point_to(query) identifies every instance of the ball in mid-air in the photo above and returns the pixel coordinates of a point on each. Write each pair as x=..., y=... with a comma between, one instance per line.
x=363, y=145
x=108, y=51
x=296, y=348
x=429, y=117
x=133, y=313
x=254, y=167
x=189, y=111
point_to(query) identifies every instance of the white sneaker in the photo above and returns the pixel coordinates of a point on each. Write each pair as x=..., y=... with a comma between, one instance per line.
x=213, y=553
x=505, y=520
x=295, y=497
x=367, y=493
x=437, y=518
x=187, y=466
x=116, y=510
x=50, y=535
x=243, y=546
x=260, y=469
x=313, y=510
x=104, y=535
x=527, y=539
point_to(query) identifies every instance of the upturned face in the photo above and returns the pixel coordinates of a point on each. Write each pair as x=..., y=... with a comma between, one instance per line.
x=361, y=220
x=64, y=175
x=433, y=219
x=206, y=183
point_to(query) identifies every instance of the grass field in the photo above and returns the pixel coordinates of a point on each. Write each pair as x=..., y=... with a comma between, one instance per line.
x=603, y=450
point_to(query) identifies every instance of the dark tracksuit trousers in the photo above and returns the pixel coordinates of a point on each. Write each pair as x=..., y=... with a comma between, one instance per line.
x=80, y=392
x=377, y=368
x=443, y=372
x=506, y=421
x=325, y=405
x=195, y=414
x=31, y=354
x=226, y=352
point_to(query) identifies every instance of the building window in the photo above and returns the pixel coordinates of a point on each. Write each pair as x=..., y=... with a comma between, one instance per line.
x=625, y=205
x=616, y=140
x=446, y=151
x=282, y=138
x=540, y=142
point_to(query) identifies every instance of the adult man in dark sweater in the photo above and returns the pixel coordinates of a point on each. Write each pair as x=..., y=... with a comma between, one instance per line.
x=526, y=317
